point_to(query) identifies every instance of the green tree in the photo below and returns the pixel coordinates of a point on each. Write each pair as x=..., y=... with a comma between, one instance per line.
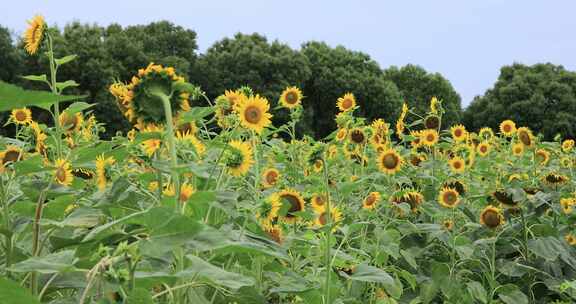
x=10, y=59
x=418, y=86
x=336, y=71
x=541, y=97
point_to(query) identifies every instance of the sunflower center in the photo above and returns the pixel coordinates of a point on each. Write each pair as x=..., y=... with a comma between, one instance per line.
x=271, y=177
x=291, y=98
x=432, y=122
x=61, y=174
x=357, y=136
x=525, y=138
x=450, y=198
x=483, y=149
x=370, y=200
x=294, y=203
x=347, y=103
x=457, y=165
x=21, y=116
x=458, y=132
x=319, y=200
x=11, y=156
x=430, y=137
x=491, y=218
x=390, y=161
x=322, y=218
x=252, y=114
x=507, y=128
x=234, y=159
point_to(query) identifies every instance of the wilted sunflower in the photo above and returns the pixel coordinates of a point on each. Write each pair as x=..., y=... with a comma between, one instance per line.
x=101, y=163
x=486, y=133
x=432, y=122
x=525, y=136
x=457, y=185
x=346, y=102
x=567, y=145
x=554, y=179
x=291, y=97
x=504, y=198
x=11, y=154
x=483, y=148
x=543, y=156
x=291, y=202
x=274, y=232
x=371, y=200
x=239, y=158
x=357, y=136
x=83, y=173
x=517, y=149
x=409, y=196
x=63, y=173
x=390, y=161
x=322, y=218
x=270, y=177
x=253, y=113
x=449, y=197
x=459, y=133
x=570, y=239
x=457, y=164
x=21, y=116
x=507, y=128
x=491, y=217
x=318, y=202
x=429, y=137
x=34, y=34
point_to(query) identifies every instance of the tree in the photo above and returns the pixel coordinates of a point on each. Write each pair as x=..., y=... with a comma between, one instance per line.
x=336, y=71
x=10, y=60
x=418, y=86
x=541, y=97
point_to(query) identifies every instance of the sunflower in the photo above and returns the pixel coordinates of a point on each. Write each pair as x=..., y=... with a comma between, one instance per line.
x=322, y=218
x=239, y=158
x=432, y=122
x=567, y=145
x=332, y=151
x=34, y=34
x=346, y=102
x=566, y=205
x=235, y=99
x=504, y=198
x=543, y=156
x=63, y=173
x=416, y=159
x=291, y=97
x=190, y=138
x=186, y=191
x=457, y=185
x=274, y=232
x=11, y=154
x=318, y=202
x=483, y=148
x=429, y=137
x=448, y=224
x=341, y=134
x=150, y=146
x=434, y=103
x=449, y=197
x=570, y=239
x=554, y=179
x=486, y=133
x=357, y=136
x=291, y=201
x=457, y=164
x=566, y=162
x=371, y=200
x=409, y=196
x=270, y=177
x=318, y=165
x=459, y=133
x=101, y=163
x=71, y=122
x=517, y=149
x=491, y=217
x=390, y=161
x=380, y=126
x=83, y=173
x=525, y=136
x=253, y=113
x=508, y=128
x=21, y=116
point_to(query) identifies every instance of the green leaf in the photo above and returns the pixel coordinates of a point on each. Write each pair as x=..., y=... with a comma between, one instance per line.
x=196, y=114
x=513, y=296
x=42, y=77
x=367, y=273
x=62, y=261
x=33, y=164
x=101, y=230
x=202, y=270
x=12, y=97
x=66, y=84
x=140, y=296
x=64, y=60
x=12, y=293
x=477, y=291
x=78, y=107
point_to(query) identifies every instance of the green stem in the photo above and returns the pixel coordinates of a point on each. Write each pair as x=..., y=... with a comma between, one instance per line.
x=327, y=259
x=36, y=234
x=55, y=91
x=172, y=148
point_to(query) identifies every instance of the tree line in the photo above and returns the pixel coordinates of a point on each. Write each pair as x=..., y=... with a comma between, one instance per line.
x=539, y=96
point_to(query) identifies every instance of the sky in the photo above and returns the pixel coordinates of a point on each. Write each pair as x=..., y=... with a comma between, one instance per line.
x=467, y=41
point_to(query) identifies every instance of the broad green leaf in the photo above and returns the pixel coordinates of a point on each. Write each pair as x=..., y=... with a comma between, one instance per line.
x=477, y=291
x=196, y=114
x=513, y=296
x=202, y=270
x=12, y=293
x=78, y=107
x=41, y=78
x=65, y=59
x=367, y=273
x=62, y=261
x=30, y=165
x=140, y=296
x=66, y=84
x=12, y=97
x=101, y=230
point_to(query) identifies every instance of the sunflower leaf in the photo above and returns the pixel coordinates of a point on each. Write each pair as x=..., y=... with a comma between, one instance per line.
x=65, y=59
x=13, y=97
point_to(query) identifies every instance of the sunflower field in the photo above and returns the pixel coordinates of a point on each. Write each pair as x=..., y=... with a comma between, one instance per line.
x=215, y=204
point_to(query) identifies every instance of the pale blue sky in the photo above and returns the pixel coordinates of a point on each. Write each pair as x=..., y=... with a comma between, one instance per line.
x=466, y=41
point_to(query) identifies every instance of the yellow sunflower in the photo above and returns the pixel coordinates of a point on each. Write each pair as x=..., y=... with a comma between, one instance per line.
x=486, y=133
x=371, y=200
x=567, y=145
x=567, y=204
x=357, y=136
x=346, y=102
x=341, y=134
x=507, y=128
x=448, y=224
x=483, y=148
x=390, y=161
x=570, y=239
x=21, y=116
x=525, y=136
x=517, y=149
x=432, y=121
x=449, y=197
x=408, y=196
x=270, y=177
x=71, y=123
x=274, y=232
x=34, y=34
x=459, y=133
x=429, y=137
x=291, y=97
x=101, y=163
x=186, y=191
x=491, y=217
x=554, y=179
x=434, y=103
x=253, y=113
x=291, y=201
x=543, y=156
x=457, y=164
x=63, y=173
x=318, y=202
x=190, y=138
x=322, y=218
x=11, y=154
x=239, y=158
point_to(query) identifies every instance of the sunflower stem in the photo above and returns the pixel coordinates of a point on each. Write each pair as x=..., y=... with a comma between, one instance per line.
x=327, y=258
x=55, y=91
x=172, y=147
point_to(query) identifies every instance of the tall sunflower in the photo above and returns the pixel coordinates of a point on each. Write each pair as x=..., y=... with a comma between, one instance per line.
x=291, y=97
x=371, y=200
x=434, y=105
x=486, y=133
x=459, y=133
x=429, y=137
x=542, y=156
x=390, y=161
x=21, y=116
x=491, y=217
x=253, y=113
x=63, y=173
x=239, y=158
x=525, y=136
x=507, y=128
x=346, y=102
x=449, y=197
x=34, y=34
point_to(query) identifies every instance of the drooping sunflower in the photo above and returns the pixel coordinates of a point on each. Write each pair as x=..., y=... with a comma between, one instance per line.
x=34, y=34
x=71, y=122
x=508, y=128
x=457, y=185
x=189, y=138
x=491, y=217
x=371, y=200
x=432, y=121
x=270, y=177
x=253, y=113
x=150, y=146
x=390, y=161
x=291, y=202
x=408, y=196
x=318, y=202
x=11, y=154
x=429, y=137
x=542, y=156
x=567, y=145
x=101, y=163
x=239, y=158
x=341, y=134
x=483, y=148
x=517, y=149
x=459, y=133
x=554, y=179
x=291, y=97
x=457, y=164
x=449, y=197
x=504, y=198
x=322, y=218
x=346, y=102
x=274, y=232
x=434, y=104
x=525, y=136
x=357, y=136
x=63, y=173
x=486, y=133
x=21, y=116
